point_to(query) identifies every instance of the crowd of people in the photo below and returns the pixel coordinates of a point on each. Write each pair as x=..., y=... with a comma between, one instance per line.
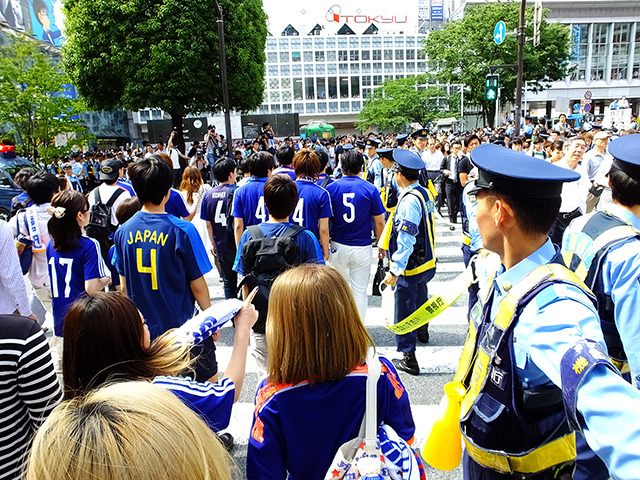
x=115, y=247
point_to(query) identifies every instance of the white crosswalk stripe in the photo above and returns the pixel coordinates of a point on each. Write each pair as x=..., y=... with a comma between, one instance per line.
x=438, y=360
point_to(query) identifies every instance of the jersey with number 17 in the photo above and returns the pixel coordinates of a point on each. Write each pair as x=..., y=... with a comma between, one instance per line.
x=248, y=202
x=355, y=201
x=215, y=205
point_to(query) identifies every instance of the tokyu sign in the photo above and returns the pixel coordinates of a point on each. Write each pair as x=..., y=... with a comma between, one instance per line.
x=335, y=14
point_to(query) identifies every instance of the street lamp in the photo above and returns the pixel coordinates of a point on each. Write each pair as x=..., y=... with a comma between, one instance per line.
x=223, y=78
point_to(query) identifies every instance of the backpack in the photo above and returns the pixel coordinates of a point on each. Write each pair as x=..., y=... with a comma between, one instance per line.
x=100, y=227
x=24, y=245
x=264, y=258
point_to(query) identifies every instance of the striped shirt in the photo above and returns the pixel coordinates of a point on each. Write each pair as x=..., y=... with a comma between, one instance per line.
x=29, y=389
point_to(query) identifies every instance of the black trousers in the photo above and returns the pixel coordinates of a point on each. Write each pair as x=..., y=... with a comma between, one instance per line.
x=454, y=193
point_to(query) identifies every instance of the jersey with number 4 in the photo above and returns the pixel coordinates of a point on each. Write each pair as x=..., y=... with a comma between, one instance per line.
x=354, y=202
x=68, y=271
x=215, y=205
x=160, y=255
x=313, y=204
x=248, y=202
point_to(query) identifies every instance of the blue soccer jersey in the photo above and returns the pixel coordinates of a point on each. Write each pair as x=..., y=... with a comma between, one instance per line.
x=286, y=170
x=248, y=202
x=215, y=206
x=313, y=204
x=354, y=202
x=175, y=205
x=68, y=271
x=160, y=255
x=127, y=186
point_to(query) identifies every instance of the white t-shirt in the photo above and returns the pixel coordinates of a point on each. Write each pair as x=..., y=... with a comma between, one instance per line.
x=39, y=271
x=175, y=158
x=105, y=194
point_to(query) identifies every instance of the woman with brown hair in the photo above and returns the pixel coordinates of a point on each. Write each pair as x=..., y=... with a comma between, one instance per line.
x=313, y=399
x=106, y=339
x=193, y=190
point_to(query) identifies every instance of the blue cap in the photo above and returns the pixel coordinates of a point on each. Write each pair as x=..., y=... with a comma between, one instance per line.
x=314, y=139
x=386, y=153
x=408, y=159
x=626, y=154
x=360, y=143
x=506, y=171
x=372, y=142
x=422, y=133
x=347, y=146
x=401, y=139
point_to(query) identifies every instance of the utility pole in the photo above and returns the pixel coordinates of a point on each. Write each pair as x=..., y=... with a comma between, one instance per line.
x=223, y=78
x=521, y=31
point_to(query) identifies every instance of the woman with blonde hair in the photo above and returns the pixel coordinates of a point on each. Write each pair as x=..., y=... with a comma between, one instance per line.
x=193, y=190
x=126, y=431
x=313, y=399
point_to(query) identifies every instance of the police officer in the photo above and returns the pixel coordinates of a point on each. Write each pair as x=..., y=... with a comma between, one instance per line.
x=534, y=368
x=412, y=250
x=374, y=167
x=604, y=249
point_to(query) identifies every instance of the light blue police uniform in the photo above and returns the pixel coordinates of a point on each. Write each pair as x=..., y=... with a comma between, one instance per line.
x=409, y=210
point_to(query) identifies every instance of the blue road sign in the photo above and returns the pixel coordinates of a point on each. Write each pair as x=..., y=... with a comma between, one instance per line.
x=576, y=107
x=587, y=107
x=499, y=32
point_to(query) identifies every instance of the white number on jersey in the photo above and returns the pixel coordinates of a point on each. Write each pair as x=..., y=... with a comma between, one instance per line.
x=350, y=216
x=65, y=262
x=298, y=213
x=261, y=211
x=220, y=217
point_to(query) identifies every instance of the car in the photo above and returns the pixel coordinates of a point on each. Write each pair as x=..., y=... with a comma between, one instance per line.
x=10, y=164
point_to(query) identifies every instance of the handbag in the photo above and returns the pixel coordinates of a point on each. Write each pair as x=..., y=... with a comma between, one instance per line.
x=378, y=452
x=24, y=245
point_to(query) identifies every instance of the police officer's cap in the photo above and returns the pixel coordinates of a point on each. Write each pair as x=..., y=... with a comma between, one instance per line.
x=626, y=154
x=408, y=159
x=401, y=139
x=359, y=143
x=422, y=133
x=386, y=153
x=373, y=142
x=506, y=171
x=347, y=146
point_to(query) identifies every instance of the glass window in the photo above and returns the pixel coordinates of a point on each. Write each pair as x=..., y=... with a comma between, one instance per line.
x=331, y=56
x=411, y=55
x=399, y=41
x=366, y=81
x=321, y=88
x=366, y=92
x=322, y=107
x=376, y=42
x=355, y=87
x=399, y=67
x=342, y=42
x=295, y=43
x=275, y=108
x=354, y=55
x=410, y=41
x=320, y=69
x=286, y=83
x=271, y=45
x=621, y=45
x=286, y=96
x=272, y=57
x=298, y=107
x=344, y=106
x=399, y=54
x=297, y=89
x=307, y=43
x=333, y=107
x=376, y=55
x=377, y=80
x=318, y=42
x=421, y=54
x=411, y=67
x=579, y=50
x=308, y=88
x=636, y=54
x=344, y=87
x=366, y=68
x=286, y=107
x=264, y=108
x=332, y=69
x=274, y=97
x=319, y=56
x=343, y=68
x=388, y=41
x=399, y=76
x=333, y=87
x=388, y=77
x=356, y=106
x=377, y=68
x=296, y=70
x=285, y=70
x=331, y=43
x=355, y=68
x=273, y=70
x=388, y=54
x=388, y=67
x=284, y=57
x=420, y=67
x=274, y=83
x=364, y=42
x=353, y=42
x=308, y=69
x=343, y=55
x=600, y=48
x=311, y=107
x=366, y=55
x=295, y=56
x=283, y=43
x=308, y=56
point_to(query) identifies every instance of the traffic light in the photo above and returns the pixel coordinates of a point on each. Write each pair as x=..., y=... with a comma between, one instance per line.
x=491, y=87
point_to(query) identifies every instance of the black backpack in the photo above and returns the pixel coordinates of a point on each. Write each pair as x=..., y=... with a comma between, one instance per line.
x=100, y=226
x=264, y=258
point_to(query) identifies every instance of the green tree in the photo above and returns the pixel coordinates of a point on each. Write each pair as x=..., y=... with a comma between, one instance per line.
x=33, y=100
x=398, y=103
x=464, y=49
x=164, y=54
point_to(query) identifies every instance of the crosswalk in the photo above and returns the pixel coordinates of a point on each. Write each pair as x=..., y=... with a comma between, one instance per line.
x=437, y=360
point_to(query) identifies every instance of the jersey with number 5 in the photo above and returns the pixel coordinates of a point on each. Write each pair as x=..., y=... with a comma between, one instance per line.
x=248, y=202
x=215, y=205
x=355, y=201
x=68, y=271
x=160, y=255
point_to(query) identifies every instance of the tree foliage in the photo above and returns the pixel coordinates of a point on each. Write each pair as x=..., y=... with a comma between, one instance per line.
x=33, y=100
x=398, y=103
x=164, y=54
x=464, y=49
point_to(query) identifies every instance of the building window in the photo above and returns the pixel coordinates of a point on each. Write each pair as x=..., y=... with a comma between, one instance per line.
x=286, y=83
x=356, y=106
x=388, y=77
x=295, y=43
x=399, y=41
x=377, y=68
x=343, y=55
x=274, y=83
x=353, y=42
x=296, y=70
x=331, y=56
x=344, y=87
x=399, y=76
x=285, y=70
x=308, y=88
x=263, y=108
x=318, y=42
x=311, y=108
x=354, y=55
x=411, y=55
x=307, y=43
x=298, y=107
x=377, y=80
x=366, y=92
x=272, y=57
x=410, y=41
x=297, y=89
x=274, y=97
x=322, y=107
x=308, y=69
x=333, y=87
x=579, y=50
x=388, y=54
x=355, y=68
x=283, y=43
x=286, y=108
x=333, y=107
x=365, y=43
x=366, y=81
x=366, y=68
x=355, y=87
x=399, y=67
x=620, y=56
x=344, y=106
x=308, y=56
x=275, y=108
x=600, y=49
x=286, y=96
x=284, y=57
x=636, y=54
x=388, y=41
x=331, y=43
x=376, y=55
x=342, y=42
x=273, y=70
x=320, y=69
x=399, y=54
x=321, y=88
x=421, y=54
x=343, y=68
x=319, y=56
x=376, y=42
x=421, y=67
x=366, y=55
x=388, y=67
x=411, y=67
x=271, y=44
x=332, y=69
x=295, y=56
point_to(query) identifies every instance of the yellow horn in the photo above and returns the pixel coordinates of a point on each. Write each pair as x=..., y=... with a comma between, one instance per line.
x=443, y=449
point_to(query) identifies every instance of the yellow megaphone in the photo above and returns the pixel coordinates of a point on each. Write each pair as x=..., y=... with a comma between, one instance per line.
x=443, y=448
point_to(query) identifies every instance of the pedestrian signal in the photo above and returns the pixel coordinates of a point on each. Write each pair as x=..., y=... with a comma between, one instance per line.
x=491, y=87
